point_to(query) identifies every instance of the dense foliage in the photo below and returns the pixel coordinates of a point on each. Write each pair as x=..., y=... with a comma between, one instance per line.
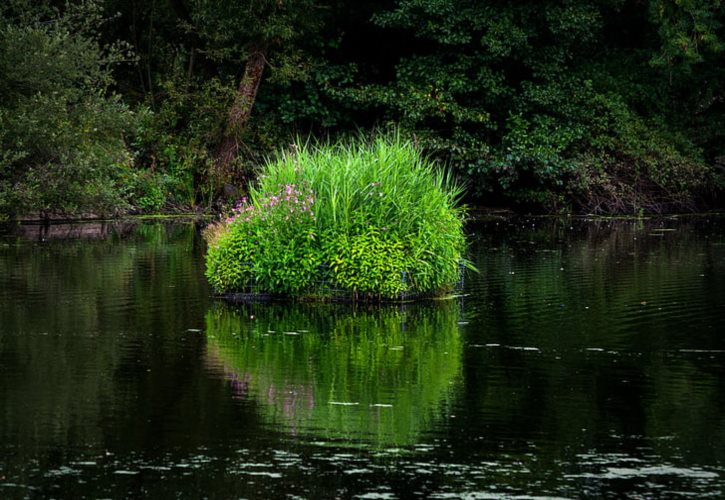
x=61, y=133
x=558, y=103
x=373, y=220
x=591, y=105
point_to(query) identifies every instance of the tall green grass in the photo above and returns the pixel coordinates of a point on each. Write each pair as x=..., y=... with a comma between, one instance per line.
x=384, y=178
x=386, y=220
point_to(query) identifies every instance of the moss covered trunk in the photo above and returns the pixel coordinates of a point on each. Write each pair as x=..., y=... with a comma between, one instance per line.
x=240, y=111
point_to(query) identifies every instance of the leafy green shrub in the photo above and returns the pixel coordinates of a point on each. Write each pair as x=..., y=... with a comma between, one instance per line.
x=369, y=263
x=520, y=97
x=374, y=217
x=228, y=261
x=271, y=242
x=177, y=140
x=62, y=134
x=283, y=224
x=149, y=190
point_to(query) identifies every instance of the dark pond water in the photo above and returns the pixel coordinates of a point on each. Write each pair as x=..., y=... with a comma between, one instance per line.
x=586, y=359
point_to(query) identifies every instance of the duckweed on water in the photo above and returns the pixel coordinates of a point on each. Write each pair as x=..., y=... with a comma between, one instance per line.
x=364, y=219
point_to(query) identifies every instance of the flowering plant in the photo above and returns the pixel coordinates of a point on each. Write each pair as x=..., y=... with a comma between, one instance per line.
x=278, y=231
x=372, y=220
x=292, y=203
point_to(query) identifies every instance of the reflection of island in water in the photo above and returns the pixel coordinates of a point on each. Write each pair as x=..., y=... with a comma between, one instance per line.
x=377, y=376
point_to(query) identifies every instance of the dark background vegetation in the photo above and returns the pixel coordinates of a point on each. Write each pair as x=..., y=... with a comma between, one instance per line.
x=606, y=106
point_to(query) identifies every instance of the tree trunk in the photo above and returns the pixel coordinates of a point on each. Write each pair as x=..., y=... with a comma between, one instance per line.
x=240, y=112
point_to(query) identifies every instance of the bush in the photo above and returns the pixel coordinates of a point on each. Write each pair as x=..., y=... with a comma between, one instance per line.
x=373, y=219
x=62, y=132
x=176, y=142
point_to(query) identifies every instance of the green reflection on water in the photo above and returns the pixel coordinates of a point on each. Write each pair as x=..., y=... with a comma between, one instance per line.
x=89, y=314
x=379, y=376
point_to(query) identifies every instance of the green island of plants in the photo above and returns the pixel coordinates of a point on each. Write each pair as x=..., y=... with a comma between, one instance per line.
x=368, y=220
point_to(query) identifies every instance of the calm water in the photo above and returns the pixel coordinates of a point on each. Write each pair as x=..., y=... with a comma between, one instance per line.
x=585, y=359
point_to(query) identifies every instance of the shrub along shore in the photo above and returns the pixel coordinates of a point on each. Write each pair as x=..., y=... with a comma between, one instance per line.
x=367, y=220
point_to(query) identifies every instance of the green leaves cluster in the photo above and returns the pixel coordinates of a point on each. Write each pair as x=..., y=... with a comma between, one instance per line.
x=596, y=105
x=592, y=105
x=62, y=133
x=370, y=264
x=269, y=244
x=229, y=257
x=382, y=222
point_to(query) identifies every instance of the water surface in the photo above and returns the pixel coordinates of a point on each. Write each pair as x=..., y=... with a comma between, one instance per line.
x=586, y=358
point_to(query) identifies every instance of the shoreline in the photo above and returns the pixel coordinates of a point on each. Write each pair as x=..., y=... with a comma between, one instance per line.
x=479, y=213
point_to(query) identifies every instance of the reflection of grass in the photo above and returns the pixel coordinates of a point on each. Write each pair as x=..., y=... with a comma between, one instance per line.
x=373, y=375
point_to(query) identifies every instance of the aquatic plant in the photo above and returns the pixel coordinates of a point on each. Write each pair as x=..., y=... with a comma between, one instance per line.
x=370, y=218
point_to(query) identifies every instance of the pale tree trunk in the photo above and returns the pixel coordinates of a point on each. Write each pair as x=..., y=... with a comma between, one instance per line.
x=241, y=110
